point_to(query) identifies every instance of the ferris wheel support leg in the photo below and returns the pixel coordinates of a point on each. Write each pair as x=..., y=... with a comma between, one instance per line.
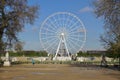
x=58, y=49
x=66, y=48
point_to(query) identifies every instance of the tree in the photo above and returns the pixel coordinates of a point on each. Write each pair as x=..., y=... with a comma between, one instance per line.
x=18, y=46
x=109, y=10
x=14, y=14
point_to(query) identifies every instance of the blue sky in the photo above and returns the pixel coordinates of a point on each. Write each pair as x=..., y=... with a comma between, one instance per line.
x=81, y=8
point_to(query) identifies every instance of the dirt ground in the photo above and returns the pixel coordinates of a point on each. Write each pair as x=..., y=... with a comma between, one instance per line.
x=57, y=72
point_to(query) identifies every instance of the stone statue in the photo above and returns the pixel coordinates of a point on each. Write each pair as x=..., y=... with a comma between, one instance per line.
x=7, y=56
x=7, y=60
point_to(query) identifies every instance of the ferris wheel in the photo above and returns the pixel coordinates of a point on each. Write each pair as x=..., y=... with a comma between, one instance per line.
x=62, y=33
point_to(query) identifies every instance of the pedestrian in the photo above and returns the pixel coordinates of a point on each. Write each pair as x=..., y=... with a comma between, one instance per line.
x=33, y=62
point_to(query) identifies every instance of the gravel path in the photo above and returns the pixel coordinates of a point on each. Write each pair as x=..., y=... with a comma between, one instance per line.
x=57, y=72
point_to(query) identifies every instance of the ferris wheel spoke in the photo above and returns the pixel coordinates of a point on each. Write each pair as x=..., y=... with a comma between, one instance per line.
x=77, y=30
x=58, y=21
x=73, y=25
x=51, y=44
x=50, y=27
x=46, y=33
x=69, y=21
x=75, y=44
x=64, y=19
x=55, y=22
x=53, y=25
x=66, y=22
x=61, y=22
x=72, y=45
x=76, y=36
x=74, y=32
x=75, y=39
x=52, y=40
x=52, y=50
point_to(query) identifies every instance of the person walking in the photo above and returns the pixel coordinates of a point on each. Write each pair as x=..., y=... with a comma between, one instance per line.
x=33, y=62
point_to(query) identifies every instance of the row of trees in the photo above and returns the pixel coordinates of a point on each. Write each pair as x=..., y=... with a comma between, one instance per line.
x=27, y=54
x=86, y=54
x=107, y=54
x=45, y=54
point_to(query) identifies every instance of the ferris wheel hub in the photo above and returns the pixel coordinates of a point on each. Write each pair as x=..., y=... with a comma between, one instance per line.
x=62, y=34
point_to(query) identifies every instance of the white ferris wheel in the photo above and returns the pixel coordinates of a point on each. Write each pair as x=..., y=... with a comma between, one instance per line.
x=62, y=34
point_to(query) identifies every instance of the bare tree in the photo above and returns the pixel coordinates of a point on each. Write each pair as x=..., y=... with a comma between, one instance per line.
x=13, y=16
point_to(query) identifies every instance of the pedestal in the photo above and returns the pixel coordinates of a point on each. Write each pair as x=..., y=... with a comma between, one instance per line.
x=7, y=63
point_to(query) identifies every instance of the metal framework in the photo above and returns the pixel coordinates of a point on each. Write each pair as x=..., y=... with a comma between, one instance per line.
x=62, y=49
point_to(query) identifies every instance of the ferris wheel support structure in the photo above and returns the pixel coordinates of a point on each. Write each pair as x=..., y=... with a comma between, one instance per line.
x=62, y=42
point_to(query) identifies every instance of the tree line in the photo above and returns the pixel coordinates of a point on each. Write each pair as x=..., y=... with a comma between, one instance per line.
x=26, y=54
x=107, y=54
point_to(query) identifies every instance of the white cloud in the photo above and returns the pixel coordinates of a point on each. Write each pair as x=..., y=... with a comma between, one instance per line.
x=86, y=9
